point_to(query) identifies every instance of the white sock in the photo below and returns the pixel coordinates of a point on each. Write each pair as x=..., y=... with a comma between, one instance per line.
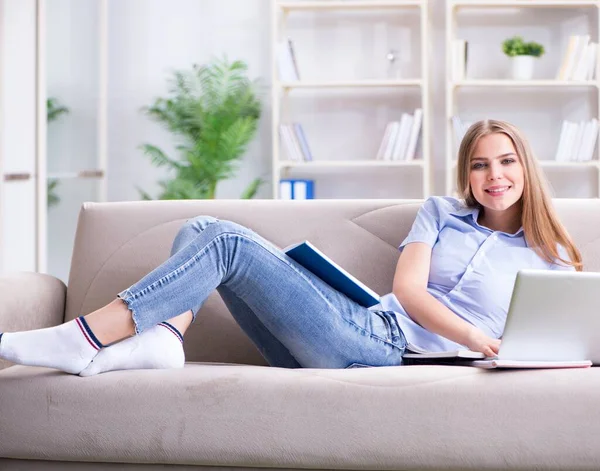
x=68, y=347
x=157, y=348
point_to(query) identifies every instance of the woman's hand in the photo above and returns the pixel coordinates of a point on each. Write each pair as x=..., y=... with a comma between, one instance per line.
x=479, y=342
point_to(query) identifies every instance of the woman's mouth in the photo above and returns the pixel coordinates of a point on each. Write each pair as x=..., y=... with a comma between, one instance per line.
x=497, y=190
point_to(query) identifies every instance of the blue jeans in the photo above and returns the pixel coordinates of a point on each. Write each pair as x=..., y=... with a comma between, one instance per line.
x=294, y=318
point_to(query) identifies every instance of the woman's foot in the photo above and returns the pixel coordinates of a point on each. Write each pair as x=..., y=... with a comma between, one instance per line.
x=69, y=347
x=160, y=347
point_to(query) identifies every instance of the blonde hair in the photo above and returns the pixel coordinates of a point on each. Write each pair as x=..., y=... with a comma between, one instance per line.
x=542, y=228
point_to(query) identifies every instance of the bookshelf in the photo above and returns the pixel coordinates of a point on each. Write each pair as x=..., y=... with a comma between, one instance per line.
x=570, y=176
x=348, y=162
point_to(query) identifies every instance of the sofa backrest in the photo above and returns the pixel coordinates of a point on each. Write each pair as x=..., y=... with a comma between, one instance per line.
x=118, y=243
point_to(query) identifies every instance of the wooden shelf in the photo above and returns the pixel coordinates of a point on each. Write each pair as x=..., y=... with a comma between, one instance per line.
x=347, y=5
x=315, y=164
x=524, y=3
x=352, y=84
x=525, y=83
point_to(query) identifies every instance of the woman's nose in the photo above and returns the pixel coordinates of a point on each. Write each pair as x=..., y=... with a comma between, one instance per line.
x=495, y=172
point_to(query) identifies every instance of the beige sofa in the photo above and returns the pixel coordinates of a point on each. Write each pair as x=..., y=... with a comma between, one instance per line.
x=226, y=408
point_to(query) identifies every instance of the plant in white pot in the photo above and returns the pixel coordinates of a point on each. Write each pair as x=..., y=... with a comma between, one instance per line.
x=523, y=56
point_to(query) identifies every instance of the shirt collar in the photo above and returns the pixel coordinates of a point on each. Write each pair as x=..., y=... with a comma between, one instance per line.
x=464, y=211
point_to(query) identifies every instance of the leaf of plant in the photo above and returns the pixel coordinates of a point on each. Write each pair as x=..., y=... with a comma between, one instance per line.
x=251, y=190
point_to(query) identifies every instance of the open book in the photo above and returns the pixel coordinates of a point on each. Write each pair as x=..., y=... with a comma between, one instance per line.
x=470, y=358
x=331, y=273
x=459, y=354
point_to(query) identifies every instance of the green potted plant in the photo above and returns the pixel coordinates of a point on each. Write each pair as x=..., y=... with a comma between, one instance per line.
x=213, y=110
x=522, y=55
x=53, y=111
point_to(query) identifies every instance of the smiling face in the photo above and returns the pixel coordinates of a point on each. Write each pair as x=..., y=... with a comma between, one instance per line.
x=496, y=174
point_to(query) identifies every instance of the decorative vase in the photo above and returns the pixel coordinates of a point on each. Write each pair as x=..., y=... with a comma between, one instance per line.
x=522, y=67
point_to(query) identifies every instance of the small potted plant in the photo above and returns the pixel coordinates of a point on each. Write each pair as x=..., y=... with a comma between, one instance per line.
x=522, y=55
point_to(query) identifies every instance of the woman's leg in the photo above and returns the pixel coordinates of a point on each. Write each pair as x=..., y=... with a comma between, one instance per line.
x=110, y=321
x=120, y=356
x=271, y=348
x=318, y=326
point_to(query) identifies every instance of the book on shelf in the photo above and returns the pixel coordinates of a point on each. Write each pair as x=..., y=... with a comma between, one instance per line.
x=389, y=145
x=577, y=141
x=291, y=148
x=460, y=128
x=386, y=139
x=413, y=137
x=294, y=142
x=311, y=258
x=400, y=138
x=580, y=59
x=459, y=59
x=301, y=137
x=293, y=56
x=416, y=356
x=286, y=61
x=296, y=189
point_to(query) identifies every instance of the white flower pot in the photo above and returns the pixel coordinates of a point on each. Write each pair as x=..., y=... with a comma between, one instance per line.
x=522, y=67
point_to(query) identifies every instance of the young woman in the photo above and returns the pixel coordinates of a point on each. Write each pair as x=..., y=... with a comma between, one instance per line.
x=451, y=288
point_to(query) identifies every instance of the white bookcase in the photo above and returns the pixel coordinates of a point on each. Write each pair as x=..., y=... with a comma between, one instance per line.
x=571, y=177
x=286, y=95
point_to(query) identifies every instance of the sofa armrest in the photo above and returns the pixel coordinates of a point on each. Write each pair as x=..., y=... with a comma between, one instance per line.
x=30, y=301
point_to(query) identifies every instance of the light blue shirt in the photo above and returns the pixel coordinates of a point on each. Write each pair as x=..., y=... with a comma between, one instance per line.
x=473, y=270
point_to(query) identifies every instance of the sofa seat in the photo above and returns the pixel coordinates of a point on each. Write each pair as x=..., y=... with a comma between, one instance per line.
x=425, y=417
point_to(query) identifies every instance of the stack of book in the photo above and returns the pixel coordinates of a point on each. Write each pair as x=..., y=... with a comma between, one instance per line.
x=296, y=189
x=577, y=141
x=460, y=49
x=580, y=59
x=400, y=137
x=286, y=61
x=294, y=142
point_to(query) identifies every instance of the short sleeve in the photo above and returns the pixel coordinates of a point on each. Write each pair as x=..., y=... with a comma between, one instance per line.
x=426, y=226
x=562, y=252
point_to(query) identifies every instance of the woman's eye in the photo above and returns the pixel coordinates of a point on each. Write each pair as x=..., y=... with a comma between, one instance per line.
x=477, y=166
x=508, y=161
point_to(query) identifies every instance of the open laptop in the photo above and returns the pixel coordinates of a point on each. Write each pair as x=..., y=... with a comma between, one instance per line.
x=553, y=321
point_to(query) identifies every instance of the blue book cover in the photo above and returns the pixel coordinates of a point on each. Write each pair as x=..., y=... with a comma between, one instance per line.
x=331, y=273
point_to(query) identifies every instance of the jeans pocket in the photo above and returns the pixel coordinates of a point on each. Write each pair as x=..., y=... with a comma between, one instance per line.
x=380, y=326
x=358, y=365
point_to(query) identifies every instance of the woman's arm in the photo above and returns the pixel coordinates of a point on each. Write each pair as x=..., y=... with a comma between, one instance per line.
x=410, y=287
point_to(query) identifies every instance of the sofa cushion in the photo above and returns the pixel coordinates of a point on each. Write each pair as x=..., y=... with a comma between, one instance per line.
x=368, y=418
